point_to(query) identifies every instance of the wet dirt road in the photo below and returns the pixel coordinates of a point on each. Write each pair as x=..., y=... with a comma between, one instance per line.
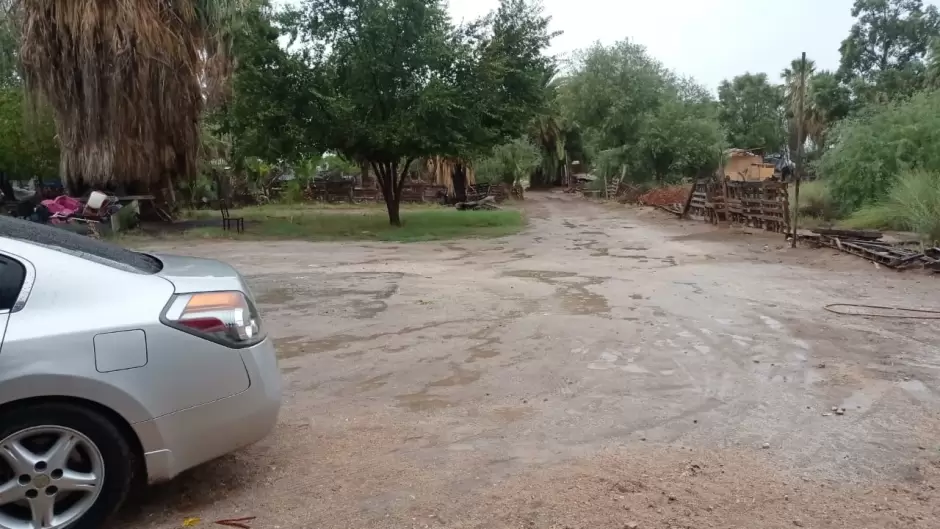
x=605, y=368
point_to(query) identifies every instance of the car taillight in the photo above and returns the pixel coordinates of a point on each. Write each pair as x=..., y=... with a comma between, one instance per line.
x=224, y=317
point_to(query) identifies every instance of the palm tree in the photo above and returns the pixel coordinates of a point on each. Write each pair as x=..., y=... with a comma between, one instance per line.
x=127, y=81
x=815, y=123
x=548, y=131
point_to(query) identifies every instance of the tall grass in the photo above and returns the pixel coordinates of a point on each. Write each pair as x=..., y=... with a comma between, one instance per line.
x=912, y=204
x=815, y=201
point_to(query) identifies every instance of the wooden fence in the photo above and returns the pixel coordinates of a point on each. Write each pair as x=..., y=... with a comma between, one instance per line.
x=349, y=192
x=763, y=205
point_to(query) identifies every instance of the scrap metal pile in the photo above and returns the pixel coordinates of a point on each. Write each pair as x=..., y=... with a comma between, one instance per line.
x=868, y=245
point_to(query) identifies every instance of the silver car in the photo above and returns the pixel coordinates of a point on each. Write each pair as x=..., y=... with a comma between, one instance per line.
x=118, y=368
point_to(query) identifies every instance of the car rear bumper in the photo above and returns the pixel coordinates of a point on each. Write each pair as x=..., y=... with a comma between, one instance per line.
x=181, y=440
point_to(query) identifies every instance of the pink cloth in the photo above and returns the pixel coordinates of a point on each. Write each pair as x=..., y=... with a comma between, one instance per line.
x=62, y=206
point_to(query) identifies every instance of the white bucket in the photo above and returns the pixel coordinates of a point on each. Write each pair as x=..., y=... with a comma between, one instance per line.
x=97, y=199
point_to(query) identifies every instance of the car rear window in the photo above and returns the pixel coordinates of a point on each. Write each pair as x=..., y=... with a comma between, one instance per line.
x=79, y=245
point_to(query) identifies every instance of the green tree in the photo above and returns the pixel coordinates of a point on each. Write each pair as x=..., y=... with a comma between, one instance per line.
x=682, y=139
x=510, y=163
x=831, y=102
x=28, y=146
x=395, y=81
x=872, y=148
x=273, y=98
x=638, y=117
x=611, y=91
x=751, y=111
x=9, y=48
x=549, y=131
x=883, y=56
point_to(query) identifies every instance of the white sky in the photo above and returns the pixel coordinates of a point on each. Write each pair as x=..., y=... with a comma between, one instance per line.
x=710, y=40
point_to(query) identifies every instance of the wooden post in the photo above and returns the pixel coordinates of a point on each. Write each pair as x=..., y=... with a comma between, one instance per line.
x=798, y=171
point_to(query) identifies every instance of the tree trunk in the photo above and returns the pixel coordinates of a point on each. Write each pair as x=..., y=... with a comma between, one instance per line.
x=393, y=206
x=459, y=177
x=387, y=175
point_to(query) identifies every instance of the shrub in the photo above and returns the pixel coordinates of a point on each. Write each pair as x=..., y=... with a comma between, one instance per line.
x=913, y=204
x=871, y=149
x=815, y=201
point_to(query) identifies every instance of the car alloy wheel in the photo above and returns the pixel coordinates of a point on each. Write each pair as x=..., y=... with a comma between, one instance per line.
x=50, y=476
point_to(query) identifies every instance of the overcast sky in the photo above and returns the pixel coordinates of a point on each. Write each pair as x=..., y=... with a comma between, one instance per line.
x=710, y=40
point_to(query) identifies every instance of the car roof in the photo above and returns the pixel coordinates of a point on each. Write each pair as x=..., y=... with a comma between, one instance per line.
x=74, y=244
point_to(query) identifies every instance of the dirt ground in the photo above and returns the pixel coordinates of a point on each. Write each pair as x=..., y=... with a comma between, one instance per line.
x=607, y=368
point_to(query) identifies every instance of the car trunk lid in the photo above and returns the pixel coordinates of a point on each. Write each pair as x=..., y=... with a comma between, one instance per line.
x=194, y=274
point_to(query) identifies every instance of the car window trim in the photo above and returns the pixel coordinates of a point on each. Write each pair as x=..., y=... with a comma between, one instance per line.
x=29, y=279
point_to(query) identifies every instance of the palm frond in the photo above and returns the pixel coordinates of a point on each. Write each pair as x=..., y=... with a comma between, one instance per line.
x=127, y=81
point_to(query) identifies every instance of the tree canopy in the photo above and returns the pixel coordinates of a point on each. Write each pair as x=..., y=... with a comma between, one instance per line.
x=638, y=116
x=880, y=143
x=884, y=55
x=386, y=82
x=751, y=111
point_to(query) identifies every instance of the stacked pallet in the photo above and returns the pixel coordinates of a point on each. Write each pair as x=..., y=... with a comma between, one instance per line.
x=761, y=205
x=868, y=245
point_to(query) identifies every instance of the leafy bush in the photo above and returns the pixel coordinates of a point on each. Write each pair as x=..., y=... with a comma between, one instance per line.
x=913, y=204
x=510, y=163
x=871, y=149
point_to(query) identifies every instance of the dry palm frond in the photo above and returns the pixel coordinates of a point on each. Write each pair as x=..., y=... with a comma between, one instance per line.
x=127, y=80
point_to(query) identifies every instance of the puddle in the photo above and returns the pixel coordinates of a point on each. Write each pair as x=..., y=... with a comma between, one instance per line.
x=368, y=309
x=575, y=297
x=287, y=370
x=373, y=383
x=636, y=296
x=483, y=351
x=541, y=275
x=578, y=300
x=421, y=401
x=461, y=377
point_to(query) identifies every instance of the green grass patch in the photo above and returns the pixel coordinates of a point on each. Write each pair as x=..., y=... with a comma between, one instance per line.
x=317, y=224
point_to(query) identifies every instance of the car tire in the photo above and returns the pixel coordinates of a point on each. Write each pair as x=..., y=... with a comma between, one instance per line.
x=119, y=460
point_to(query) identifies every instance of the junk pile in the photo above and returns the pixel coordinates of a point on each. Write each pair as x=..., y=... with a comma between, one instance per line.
x=88, y=215
x=670, y=198
x=485, y=203
x=868, y=245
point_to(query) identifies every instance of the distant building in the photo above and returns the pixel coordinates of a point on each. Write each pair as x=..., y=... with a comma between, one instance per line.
x=745, y=166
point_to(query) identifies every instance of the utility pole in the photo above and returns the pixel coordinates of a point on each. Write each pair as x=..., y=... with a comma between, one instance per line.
x=798, y=171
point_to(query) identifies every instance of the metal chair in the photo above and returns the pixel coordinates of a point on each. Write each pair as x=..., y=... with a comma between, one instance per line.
x=228, y=221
